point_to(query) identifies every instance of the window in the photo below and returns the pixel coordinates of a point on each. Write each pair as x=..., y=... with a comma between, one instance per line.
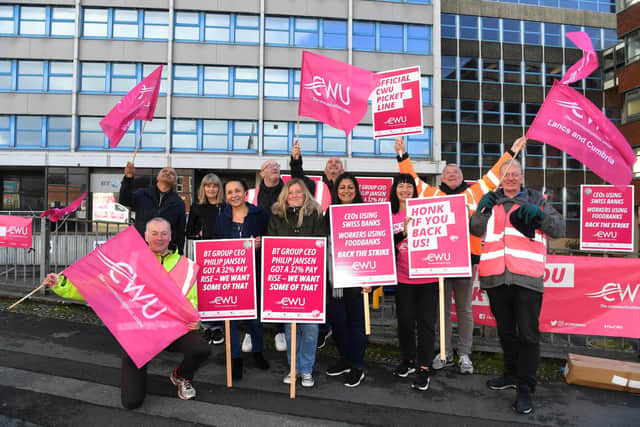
x=276, y=137
x=247, y=29
x=123, y=77
x=595, y=36
x=308, y=138
x=469, y=69
x=184, y=135
x=59, y=132
x=552, y=34
x=334, y=34
x=244, y=136
x=276, y=83
x=305, y=32
x=491, y=113
x=33, y=21
x=530, y=112
x=63, y=21
x=469, y=155
x=185, y=81
x=491, y=71
x=532, y=73
x=512, y=114
x=425, y=82
x=215, y=135
x=5, y=131
x=154, y=136
x=448, y=26
x=610, y=38
x=217, y=27
x=364, y=35
x=532, y=33
x=491, y=152
x=534, y=155
x=93, y=77
x=511, y=31
x=449, y=110
x=468, y=27
x=60, y=76
x=29, y=132
x=419, y=146
x=96, y=23
x=449, y=67
x=31, y=75
x=187, y=26
x=632, y=105
x=216, y=81
x=148, y=69
x=552, y=71
x=276, y=31
x=490, y=29
x=468, y=111
x=91, y=135
x=333, y=140
x=125, y=23
x=449, y=150
x=362, y=142
x=512, y=72
x=632, y=43
x=6, y=75
x=391, y=37
x=7, y=20
x=245, y=82
x=419, y=39
x=156, y=25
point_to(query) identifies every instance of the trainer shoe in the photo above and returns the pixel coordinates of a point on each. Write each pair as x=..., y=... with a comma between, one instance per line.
x=281, y=342
x=523, y=404
x=338, y=369
x=185, y=389
x=465, y=364
x=217, y=336
x=287, y=379
x=354, y=378
x=246, y=344
x=438, y=364
x=422, y=381
x=404, y=369
x=323, y=337
x=307, y=380
x=501, y=383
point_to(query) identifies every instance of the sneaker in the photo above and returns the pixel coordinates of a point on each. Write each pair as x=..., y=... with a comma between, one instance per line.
x=404, y=369
x=465, y=364
x=422, y=381
x=281, y=342
x=338, y=369
x=185, y=389
x=261, y=362
x=523, y=404
x=287, y=379
x=307, y=380
x=438, y=364
x=354, y=378
x=216, y=337
x=501, y=383
x=246, y=344
x=323, y=337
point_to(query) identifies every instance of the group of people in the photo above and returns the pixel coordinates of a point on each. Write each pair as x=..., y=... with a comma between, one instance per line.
x=508, y=226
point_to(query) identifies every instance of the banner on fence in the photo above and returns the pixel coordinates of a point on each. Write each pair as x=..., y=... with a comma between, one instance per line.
x=227, y=282
x=15, y=231
x=293, y=279
x=606, y=218
x=362, y=245
x=582, y=297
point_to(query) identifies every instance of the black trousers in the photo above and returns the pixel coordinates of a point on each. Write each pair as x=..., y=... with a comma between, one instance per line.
x=417, y=310
x=517, y=311
x=133, y=382
x=346, y=317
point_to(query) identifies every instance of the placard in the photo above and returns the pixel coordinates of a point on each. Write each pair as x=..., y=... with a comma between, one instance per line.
x=397, y=103
x=606, y=218
x=375, y=190
x=227, y=281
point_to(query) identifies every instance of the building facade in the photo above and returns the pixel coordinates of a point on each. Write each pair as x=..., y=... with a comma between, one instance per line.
x=230, y=87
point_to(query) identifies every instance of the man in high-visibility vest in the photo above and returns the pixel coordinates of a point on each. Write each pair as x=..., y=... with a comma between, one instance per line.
x=515, y=222
x=194, y=347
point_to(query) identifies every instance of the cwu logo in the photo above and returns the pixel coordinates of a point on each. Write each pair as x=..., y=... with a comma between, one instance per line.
x=610, y=290
x=329, y=90
x=398, y=120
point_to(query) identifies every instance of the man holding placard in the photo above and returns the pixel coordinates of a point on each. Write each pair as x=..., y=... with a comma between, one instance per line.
x=453, y=183
x=515, y=222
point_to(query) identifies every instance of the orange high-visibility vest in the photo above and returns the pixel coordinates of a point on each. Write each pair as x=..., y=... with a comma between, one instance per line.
x=504, y=246
x=185, y=274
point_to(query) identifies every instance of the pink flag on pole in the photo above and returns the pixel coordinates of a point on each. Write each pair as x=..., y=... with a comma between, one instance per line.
x=132, y=293
x=587, y=64
x=334, y=92
x=55, y=214
x=139, y=103
x=571, y=123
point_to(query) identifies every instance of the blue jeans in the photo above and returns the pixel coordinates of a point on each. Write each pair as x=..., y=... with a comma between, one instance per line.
x=346, y=316
x=255, y=330
x=306, y=342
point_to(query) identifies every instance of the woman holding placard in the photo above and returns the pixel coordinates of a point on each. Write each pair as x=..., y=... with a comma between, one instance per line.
x=416, y=299
x=345, y=306
x=239, y=220
x=297, y=214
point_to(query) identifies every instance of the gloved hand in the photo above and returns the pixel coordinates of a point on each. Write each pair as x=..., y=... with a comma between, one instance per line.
x=488, y=201
x=530, y=214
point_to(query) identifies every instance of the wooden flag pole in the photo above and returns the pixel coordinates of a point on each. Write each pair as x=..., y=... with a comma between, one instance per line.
x=227, y=344
x=443, y=350
x=144, y=123
x=26, y=296
x=367, y=320
x=292, y=352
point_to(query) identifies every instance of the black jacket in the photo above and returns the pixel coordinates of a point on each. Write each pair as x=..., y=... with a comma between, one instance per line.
x=312, y=225
x=149, y=203
x=202, y=218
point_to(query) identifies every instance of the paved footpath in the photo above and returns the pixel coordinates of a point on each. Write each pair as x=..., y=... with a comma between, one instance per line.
x=55, y=372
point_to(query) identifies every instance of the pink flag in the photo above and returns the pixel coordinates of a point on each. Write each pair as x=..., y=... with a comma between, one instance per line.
x=55, y=214
x=571, y=123
x=587, y=63
x=333, y=92
x=139, y=103
x=134, y=296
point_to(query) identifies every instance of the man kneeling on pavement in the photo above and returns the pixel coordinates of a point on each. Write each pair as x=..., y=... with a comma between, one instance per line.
x=192, y=345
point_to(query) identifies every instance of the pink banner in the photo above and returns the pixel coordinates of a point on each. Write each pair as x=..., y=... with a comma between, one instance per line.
x=56, y=214
x=362, y=245
x=582, y=297
x=439, y=237
x=293, y=279
x=375, y=190
x=571, y=123
x=397, y=103
x=334, y=92
x=227, y=281
x=138, y=104
x=587, y=64
x=606, y=218
x=15, y=231
x=127, y=287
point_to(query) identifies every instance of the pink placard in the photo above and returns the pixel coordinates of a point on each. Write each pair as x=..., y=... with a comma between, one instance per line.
x=397, y=103
x=582, y=297
x=15, y=231
x=606, y=218
x=227, y=281
x=293, y=279
x=362, y=245
x=439, y=237
x=375, y=190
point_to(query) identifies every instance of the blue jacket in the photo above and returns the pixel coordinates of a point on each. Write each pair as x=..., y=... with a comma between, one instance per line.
x=255, y=224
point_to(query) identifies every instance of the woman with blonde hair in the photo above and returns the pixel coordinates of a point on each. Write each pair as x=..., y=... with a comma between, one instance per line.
x=296, y=213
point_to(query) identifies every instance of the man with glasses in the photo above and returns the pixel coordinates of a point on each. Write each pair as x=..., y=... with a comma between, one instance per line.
x=515, y=222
